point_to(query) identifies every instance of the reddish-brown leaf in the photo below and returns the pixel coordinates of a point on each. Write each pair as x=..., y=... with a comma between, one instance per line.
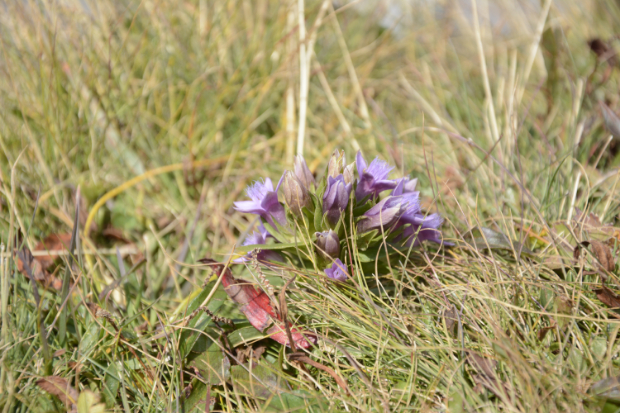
x=32, y=268
x=603, y=254
x=542, y=333
x=59, y=387
x=256, y=306
x=53, y=242
x=607, y=297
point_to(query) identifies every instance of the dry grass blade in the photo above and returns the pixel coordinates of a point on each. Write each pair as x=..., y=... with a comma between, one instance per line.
x=302, y=357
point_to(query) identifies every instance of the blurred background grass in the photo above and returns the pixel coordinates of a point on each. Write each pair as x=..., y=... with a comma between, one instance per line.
x=494, y=108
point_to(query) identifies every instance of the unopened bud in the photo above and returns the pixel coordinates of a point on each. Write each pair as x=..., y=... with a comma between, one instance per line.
x=328, y=244
x=295, y=194
x=348, y=173
x=302, y=172
x=336, y=164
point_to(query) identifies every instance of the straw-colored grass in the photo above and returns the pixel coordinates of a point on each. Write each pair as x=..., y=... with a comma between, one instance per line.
x=161, y=113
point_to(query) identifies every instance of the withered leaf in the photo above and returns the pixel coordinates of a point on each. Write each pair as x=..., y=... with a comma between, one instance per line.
x=605, y=295
x=450, y=316
x=59, y=387
x=608, y=388
x=591, y=223
x=256, y=306
x=32, y=268
x=482, y=365
x=53, y=242
x=542, y=333
x=598, y=47
x=486, y=377
x=602, y=252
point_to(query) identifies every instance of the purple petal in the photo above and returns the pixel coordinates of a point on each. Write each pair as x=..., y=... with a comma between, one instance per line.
x=259, y=190
x=248, y=207
x=360, y=163
x=405, y=185
x=259, y=238
x=383, y=185
x=273, y=208
x=337, y=271
x=379, y=169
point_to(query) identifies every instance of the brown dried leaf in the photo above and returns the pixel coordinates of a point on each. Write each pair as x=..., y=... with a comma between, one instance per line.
x=486, y=376
x=450, y=316
x=598, y=47
x=603, y=254
x=542, y=333
x=59, y=387
x=32, y=268
x=53, y=242
x=482, y=365
x=605, y=295
x=59, y=353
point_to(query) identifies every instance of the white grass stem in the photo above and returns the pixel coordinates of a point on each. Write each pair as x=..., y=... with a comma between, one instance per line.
x=574, y=197
x=534, y=47
x=304, y=80
x=485, y=75
x=290, y=92
x=357, y=88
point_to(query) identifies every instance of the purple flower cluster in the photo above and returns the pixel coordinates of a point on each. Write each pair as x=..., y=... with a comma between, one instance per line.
x=396, y=215
x=400, y=208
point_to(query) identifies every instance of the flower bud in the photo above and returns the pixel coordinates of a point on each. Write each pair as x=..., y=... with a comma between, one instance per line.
x=295, y=194
x=336, y=198
x=336, y=164
x=302, y=172
x=348, y=173
x=328, y=244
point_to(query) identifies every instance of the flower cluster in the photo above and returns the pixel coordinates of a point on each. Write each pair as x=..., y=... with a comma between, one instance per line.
x=370, y=209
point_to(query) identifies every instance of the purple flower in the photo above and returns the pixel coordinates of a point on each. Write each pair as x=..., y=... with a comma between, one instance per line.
x=335, y=198
x=384, y=214
x=405, y=185
x=264, y=202
x=328, y=244
x=421, y=228
x=372, y=178
x=337, y=271
x=259, y=238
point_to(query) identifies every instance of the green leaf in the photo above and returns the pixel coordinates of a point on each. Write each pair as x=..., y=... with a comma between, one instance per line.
x=318, y=216
x=88, y=402
x=202, y=322
x=90, y=338
x=280, y=246
x=265, y=381
x=244, y=335
x=196, y=401
x=111, y=384
x=492, y=239
x=213, y=364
